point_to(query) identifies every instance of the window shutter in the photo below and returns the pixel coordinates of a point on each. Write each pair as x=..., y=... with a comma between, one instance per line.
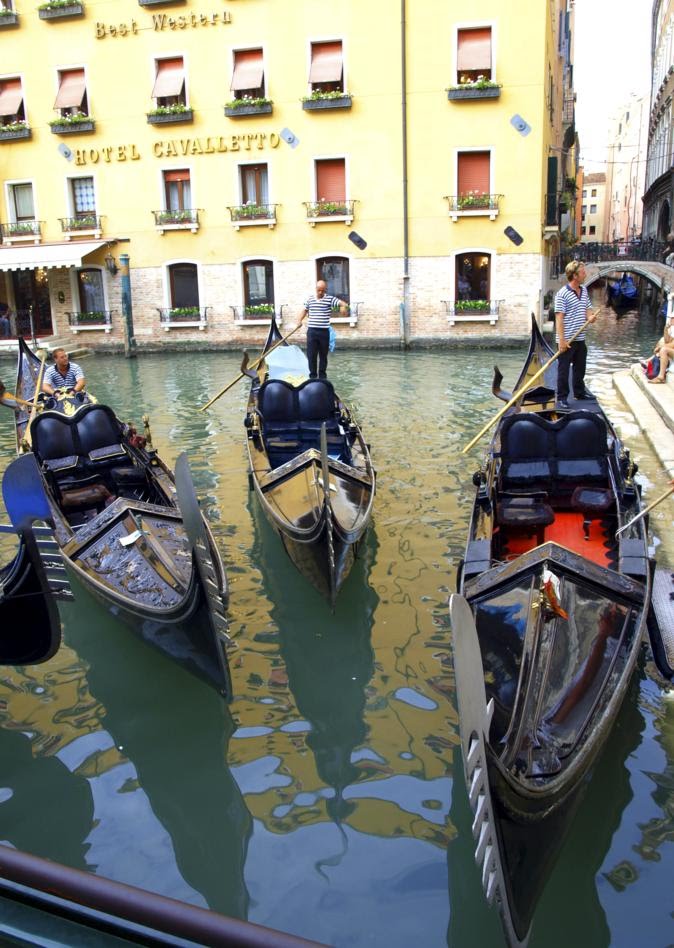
x=474, y=49
x=331, y=180
x=248, y=70
x=11, y=96
x=71, y=90
x=170, y=78
x=183, y=175
x=473, y=172
x=326, y=62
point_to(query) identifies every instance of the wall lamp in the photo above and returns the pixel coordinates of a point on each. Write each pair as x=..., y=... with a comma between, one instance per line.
x=110, y=264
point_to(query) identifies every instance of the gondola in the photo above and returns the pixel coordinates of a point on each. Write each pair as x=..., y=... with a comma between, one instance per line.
x=547, y=625
x=309, y=465
x=125, y=527
x=622, y=294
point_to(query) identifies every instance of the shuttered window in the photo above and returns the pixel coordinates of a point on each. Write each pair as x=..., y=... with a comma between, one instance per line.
x=327, y=67
x=248, y=74
x=11, y=101
x=331, y=179
x=169, y=85
x=474, y=54
x=473, y=172
x=72, y=92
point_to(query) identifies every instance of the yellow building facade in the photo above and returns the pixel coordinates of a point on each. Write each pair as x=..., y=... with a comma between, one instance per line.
x=235, y=152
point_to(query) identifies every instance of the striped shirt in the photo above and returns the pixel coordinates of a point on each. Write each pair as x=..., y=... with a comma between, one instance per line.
x=319, y=311
x=574, y=308
x=54, y=378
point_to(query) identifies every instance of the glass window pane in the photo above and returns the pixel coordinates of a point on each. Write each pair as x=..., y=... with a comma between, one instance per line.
x=90, y=284
x=473, y=276
x=335, y=272
x=184, y=284
x=83, y=195
x=258, y=281
x=23, y=202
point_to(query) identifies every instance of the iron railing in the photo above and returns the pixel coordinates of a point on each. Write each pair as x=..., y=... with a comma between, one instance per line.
x=71, y=225
x=327, y=209
x=185, y=217
x=248, y=213
x=261, y=311
x=92, y=317
x=471, y=201
x=14, y=230
x=185, y=315
x=591, y=252
x=479, y=310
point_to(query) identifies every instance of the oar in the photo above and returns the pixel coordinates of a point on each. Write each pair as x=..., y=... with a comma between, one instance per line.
x=646, y=510
x=242, y=375
x=38, y=388
x=4, y=394
x=523, y=390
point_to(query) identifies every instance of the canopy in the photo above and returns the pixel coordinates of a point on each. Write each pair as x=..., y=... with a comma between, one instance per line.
x=326, y=62
x=248, y=70
x=49, y=256
x=71, y=91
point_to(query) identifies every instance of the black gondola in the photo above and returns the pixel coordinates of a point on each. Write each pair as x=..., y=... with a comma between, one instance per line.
x=309, y=465
x=546, y=629
x=622, y=294
x=123, y=525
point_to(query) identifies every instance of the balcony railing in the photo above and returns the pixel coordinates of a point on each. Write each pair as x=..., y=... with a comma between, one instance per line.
x=183, y=219
x=472, y=311
x=244, y=215
x=177, y=317
x=329, y=211
x=89, y=224
x=595, y=252
x=21, y=231
x=258, y=315
x=94, y=319
x=472, y=204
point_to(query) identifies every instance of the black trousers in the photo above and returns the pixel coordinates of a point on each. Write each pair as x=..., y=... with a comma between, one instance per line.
x=318, y=342
x=576, y=357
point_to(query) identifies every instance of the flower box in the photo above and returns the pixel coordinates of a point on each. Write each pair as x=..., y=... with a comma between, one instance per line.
x=61, y=11
x=170, y=118
x=315, y=105
x=157, y=3
x=474, y=92
x=72, y=128
x=264, y=108
x=9, y=133
x=9, y=18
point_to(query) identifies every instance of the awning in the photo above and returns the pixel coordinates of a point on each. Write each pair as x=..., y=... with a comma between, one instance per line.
x=326, y=62
x=71, y=91
x=49, y=256
x=248, y=70
x=11, y=97
x=474, y=50
x=170, y=78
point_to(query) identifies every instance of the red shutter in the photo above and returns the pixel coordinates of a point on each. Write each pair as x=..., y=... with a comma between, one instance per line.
x=474, y=49
x=11, y=96
x=331, y=180
x=473, y=172
x=248, y=70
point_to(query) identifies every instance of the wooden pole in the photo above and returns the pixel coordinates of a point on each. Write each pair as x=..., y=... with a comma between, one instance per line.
x=646, y=510
x=254, y=365
x=523, y=390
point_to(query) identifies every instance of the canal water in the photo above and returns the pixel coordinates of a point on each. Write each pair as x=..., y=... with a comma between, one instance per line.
x=322, y=800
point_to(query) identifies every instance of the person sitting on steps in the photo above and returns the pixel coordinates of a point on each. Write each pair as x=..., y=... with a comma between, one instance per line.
x=664, y=349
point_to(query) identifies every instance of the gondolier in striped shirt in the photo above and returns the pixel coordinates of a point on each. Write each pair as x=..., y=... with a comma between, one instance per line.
x=572, y=309
x=63, y=374
x=319, y=309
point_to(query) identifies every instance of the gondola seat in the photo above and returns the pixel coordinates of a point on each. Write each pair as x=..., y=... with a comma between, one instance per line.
x=581, y=449
x=54, y=444
x=99, y=433
x=593, y=502
x=525, y=513
x=527, y=445
x=316, y=405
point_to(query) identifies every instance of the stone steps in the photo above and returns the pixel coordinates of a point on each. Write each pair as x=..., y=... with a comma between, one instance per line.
x=653, y=409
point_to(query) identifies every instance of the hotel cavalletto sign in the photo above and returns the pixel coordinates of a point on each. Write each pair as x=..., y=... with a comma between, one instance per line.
x=177, y=147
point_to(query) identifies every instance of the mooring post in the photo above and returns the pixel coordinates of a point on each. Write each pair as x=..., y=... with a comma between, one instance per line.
x=127, y=311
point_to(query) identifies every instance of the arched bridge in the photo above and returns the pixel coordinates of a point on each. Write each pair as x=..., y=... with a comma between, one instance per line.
x=660, y=275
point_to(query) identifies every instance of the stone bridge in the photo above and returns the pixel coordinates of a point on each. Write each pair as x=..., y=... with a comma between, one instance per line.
x=660, y=275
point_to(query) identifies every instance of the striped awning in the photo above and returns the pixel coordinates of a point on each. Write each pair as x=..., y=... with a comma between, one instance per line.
x=170, y=78
x=49, y=256
x=248, y=70
x=326, y=62
x=71, y=90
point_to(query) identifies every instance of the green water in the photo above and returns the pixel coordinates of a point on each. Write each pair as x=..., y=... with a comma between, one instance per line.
x=322, y=800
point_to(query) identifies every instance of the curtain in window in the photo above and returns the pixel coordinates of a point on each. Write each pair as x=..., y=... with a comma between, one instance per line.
x=258, y=283
x=178, y=191
x=255, y=187
x=24, y=209
x=90, y=284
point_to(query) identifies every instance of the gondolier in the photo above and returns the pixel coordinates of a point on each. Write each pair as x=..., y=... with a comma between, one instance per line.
x=63, y=374
x=319, y=308
x=572, y=309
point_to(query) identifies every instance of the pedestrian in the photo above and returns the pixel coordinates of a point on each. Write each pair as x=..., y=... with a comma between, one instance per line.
x=319, y=308
x=572, y=310
x=5, y=325
x=63, y=374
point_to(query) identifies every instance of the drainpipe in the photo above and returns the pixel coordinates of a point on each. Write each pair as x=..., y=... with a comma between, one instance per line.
x=405, y=306
x=127, y=311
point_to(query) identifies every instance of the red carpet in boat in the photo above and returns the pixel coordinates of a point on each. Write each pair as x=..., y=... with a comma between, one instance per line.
x=567, y=530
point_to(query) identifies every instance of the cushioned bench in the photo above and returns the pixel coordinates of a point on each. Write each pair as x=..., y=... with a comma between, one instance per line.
x=292, y=418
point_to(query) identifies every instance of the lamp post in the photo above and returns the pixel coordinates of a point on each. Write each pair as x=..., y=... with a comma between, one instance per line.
x=127, y=311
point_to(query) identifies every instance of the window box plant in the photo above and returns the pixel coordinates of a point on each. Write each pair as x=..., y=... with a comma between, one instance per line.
x=60, y=9
x=93, y=316
x=330, y=209
x=185, y=312
x=72, y=124
x=8, y=18
x=86, y=222
x=174, y=217
x=472, y=306
x=18, y=229
x=480, y=88
x=157, y=3
x=326, y=100
x=252, y=212
x=474, y=200
x=248, y=106
x=14, y=131
x=169, y=115
x=259, y=309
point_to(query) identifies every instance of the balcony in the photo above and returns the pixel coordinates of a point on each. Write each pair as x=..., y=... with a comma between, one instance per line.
x=238, y=108
x=259, y=315
x=473, y=204
x=326, y=100
x=472, y=311
x=88, y=225
x=183, y=317
x=248, y=215
x=95, y=319
x=8, y=18
x=322, y=211
x=170, y=115
x=183, y=219
x=483, y=89
x=21, y=232
x=60, y=10
x=14, y=131
x=72, y=125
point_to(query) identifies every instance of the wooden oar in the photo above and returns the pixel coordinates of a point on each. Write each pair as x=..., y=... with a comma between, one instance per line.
x=646, y=510
x=253, y=365
x=38, y=388
x=523, y=390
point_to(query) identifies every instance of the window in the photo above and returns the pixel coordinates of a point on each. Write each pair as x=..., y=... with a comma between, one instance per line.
x=331, y=180
x=326, y=73
x=473, y=54
x=83, y=197
x=72, y=95
x=11, y=102
x=169, y=85
x=258, y=283
x=593, y=193
x=248, y=74
x=593, y=208
x=584, y=231
x=335, y=272
x=254, y=183
x=177, y=192
x=584, y=192
x=473, y=175
x=583, y=210
x=593, y=230
x=183, y=285
x=473, y=276
x=21, y=206
x=90, y=290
